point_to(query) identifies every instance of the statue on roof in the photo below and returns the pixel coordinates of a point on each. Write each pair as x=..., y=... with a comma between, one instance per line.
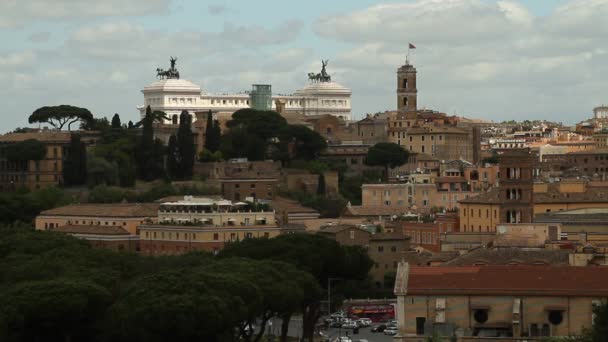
x=323, y=76
x=168, y=74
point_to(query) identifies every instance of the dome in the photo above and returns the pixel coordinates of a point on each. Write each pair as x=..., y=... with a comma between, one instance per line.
x=330, y=88
x=172, y=85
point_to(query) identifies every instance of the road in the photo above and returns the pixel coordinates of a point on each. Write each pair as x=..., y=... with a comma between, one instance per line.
x=295, y=330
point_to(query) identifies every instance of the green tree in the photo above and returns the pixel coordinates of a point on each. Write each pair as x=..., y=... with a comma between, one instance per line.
x=149, y=152
x=101, y=171
x=322, y=257
x=307, y=143
x=599, y=332
x=53, y=310
x=389, y=155
x=59, y=116
x=321, y=186
x=212, y=133
x=116, y=124
x=75, y=165
x=30, y=149
x=173, y=156
x=185, y=145
x=207, y=156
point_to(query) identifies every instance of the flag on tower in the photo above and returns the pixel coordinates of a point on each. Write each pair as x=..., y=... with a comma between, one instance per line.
x=412, y=46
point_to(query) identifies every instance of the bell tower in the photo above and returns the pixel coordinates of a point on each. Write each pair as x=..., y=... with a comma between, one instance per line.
x=407, y=94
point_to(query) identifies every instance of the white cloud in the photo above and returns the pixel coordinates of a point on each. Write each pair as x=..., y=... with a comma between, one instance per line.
x=17, y=59
x=476, y=57
x=15, y=13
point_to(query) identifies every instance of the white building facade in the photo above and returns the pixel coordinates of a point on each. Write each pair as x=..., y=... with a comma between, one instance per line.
x=172, y=96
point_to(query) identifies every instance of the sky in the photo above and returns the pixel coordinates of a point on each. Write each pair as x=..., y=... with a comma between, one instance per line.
x=495, y=60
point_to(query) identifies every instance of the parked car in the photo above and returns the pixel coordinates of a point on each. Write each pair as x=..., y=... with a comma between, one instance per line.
x=392, y=331
x=364, y=322
x=335, y=324
x=342, y=339
x=392, y=322
x=350, y=325
x=378, y=328
x=338, y=314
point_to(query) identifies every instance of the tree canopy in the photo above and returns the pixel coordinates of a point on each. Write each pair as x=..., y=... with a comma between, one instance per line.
x=389, y=155
x=59, y=116
x=30, y=149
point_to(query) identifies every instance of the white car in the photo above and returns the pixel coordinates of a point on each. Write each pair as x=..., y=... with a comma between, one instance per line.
x=392, y=331
x=342, y=339
x=350, y=325
x=364, y=322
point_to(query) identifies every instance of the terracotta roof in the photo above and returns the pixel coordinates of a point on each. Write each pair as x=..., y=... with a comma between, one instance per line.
x=489, y=197
x=44, y=136
x=425, y=156
x=290, y=206
x=398, y=235
x=591, y=195
x=359, y=210
x=334, y=229
x=505, y=256
x=436, y=130
x=106, y=210
x=507, y=280
x=92, y=229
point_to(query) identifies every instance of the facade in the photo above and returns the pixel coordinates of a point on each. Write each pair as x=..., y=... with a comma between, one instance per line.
x=205, y=224
x=241, y=188
x=173, y=95
x=600, y=112
x=515, y=302
x=385, y=249
x=127, y=216
x=114, y=238
x=428, y=235
x=35, y=174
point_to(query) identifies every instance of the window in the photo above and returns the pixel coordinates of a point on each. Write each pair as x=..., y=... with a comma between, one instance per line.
x=420, y=323
x=380, y=249
x=393, y=249
x=352, y=234
x=216, y=236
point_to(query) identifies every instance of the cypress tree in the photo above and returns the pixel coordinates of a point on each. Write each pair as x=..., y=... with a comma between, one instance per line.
x=116, y=121
x=145, y=149
x=185, y=145
x=130, y=124
x=75, y=165
x=208, y=132
x=172, y=158
x=321, y=185
x=216, y=133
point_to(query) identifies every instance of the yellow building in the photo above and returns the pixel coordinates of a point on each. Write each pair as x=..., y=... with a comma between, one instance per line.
x=482, y=213
x=504, y=303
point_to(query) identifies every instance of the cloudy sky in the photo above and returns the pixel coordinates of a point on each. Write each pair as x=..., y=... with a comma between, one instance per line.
x=513, y=59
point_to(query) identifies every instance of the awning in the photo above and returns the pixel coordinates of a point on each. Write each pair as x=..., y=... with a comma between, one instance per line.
x=260, y=219
x=231, y=220
x=240, y=203
x=205, y=220
x=224, y=203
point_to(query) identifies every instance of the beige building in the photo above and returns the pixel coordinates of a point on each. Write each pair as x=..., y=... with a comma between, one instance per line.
x=503, y=302
x=127, y=216
x=198, y=223
x=36, y=174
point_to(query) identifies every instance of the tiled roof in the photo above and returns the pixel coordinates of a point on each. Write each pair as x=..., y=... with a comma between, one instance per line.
x=505, y=256
x=106, y=210
x=489, y=197
x=44, y=136
x=398, y=235
x=338, y=228
x=359, y=210
x=92, y=229
x=508, y=280
x=290, y=206
x=591, y=195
